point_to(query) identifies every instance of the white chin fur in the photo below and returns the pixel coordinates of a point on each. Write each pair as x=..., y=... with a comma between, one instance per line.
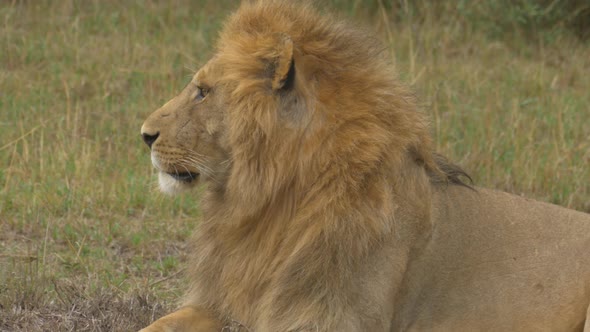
x=169, y=185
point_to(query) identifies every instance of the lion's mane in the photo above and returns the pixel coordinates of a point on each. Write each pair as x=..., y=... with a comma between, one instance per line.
x=319, y=169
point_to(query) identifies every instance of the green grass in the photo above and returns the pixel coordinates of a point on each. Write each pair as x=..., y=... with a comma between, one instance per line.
x=85, y=234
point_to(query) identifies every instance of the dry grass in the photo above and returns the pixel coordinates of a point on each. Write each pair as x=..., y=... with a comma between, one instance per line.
x=87, y=243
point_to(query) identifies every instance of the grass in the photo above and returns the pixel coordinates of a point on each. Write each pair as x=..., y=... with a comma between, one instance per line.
x=86, y=241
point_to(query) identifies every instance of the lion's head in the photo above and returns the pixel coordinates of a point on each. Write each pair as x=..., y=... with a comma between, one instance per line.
x=278, y=106
x=187, y=135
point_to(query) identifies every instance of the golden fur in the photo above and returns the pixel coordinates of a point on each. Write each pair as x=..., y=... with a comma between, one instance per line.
x=326, y=208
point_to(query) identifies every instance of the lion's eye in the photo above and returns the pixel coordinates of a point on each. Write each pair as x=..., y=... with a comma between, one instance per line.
x=201, y=93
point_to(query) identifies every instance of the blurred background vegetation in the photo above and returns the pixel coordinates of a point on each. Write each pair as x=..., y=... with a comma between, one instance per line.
x=86, y=241
x=536, y=19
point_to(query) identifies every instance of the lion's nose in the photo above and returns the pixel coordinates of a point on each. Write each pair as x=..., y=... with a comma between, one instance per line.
x=150, y=139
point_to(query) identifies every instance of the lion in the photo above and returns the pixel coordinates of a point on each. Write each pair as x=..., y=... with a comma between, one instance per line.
x=326, y=207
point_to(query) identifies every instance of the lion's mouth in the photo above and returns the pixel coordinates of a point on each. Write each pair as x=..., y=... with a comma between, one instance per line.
x=184, y=176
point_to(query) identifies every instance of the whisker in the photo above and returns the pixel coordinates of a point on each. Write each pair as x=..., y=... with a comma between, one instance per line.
x=189, y=172
x=198, y=163
x=204, y=169
x=193, y=152
x=227, y=161
x=195, y=157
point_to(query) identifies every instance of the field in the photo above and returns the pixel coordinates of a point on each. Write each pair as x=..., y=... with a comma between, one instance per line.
x=87, y=243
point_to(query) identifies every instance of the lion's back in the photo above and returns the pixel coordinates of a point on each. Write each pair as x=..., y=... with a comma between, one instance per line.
x=493, y=251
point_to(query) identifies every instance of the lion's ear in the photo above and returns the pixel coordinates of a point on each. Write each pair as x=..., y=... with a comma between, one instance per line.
x=284, y=66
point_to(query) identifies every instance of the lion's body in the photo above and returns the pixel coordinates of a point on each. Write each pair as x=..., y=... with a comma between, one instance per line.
x=498, y=262
x=326, y=208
